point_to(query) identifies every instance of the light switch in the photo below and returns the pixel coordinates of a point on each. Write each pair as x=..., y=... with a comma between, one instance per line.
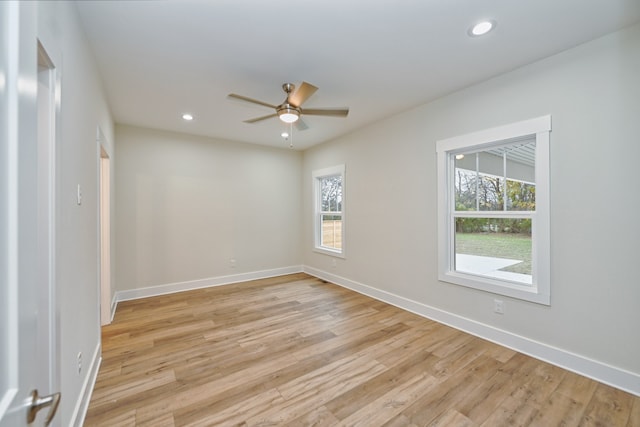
x=79, y=195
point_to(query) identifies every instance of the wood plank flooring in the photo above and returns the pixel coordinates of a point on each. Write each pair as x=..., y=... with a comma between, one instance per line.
x=297, y=351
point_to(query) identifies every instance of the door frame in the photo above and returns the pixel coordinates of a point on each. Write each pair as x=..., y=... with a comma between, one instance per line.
x=48, y=126
x=104, y=190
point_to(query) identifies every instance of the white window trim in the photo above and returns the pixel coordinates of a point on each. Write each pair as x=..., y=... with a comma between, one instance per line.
x=317, y=203
x=540, y=290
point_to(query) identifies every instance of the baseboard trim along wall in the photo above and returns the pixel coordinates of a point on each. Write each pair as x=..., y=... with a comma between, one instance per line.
x=82, y=405
x=615, y=377
x=171, y=288
x=114, y=305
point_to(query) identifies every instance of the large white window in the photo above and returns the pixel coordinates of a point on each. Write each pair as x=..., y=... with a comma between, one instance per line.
x=328, y=191
x=493, y=210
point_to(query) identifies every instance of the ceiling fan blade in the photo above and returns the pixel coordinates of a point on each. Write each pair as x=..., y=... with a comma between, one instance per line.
x=330, y=112
x=257, y=119
x=253, y=101
x=301, y=94
x=300, y=125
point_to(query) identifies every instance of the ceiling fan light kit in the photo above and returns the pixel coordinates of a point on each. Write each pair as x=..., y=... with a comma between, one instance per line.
x=288, y=114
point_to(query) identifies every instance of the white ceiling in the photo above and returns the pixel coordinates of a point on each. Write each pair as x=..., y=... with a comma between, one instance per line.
x=159, y=59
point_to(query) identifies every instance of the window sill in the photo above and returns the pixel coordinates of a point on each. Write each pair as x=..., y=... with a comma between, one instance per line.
x=523, y=292
x=330, y=252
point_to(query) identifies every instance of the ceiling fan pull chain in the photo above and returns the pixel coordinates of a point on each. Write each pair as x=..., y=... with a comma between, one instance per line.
x=291, y=135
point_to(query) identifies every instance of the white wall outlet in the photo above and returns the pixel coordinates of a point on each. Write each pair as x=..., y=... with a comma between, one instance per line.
x=232, y=263
x=333, y=263
x=79, y=363
x=498, y=306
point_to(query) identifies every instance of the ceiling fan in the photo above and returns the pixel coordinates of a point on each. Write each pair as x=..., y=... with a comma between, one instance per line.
x=291, y=108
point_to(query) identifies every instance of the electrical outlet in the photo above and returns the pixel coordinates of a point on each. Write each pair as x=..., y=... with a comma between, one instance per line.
x=79, y=363
x=333, y=263
x=498, y=306
x=232, y=263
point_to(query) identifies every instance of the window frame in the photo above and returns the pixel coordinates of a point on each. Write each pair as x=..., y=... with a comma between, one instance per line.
x=318, y=213
x=540, y=289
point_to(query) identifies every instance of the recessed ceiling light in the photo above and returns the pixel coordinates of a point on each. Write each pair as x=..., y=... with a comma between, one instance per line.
x=188, y=117
x=481, y=28
x=284, y=134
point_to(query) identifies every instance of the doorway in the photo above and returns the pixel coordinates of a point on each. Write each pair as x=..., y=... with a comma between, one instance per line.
x=105, y=232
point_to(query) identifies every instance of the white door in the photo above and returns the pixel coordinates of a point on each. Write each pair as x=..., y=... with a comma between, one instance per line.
x=19, y=241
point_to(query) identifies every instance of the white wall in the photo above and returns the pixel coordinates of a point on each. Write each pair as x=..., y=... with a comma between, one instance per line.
x=593, y=95
x=82, y=109
x=188, y=205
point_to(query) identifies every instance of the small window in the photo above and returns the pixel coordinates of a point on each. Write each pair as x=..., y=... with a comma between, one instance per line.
x=328, y=190
x=493, y=210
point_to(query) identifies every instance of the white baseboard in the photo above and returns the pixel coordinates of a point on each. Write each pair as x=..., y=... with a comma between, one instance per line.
x=82, y=405
x=114, y=305
x=602, y=372
x=171, y=288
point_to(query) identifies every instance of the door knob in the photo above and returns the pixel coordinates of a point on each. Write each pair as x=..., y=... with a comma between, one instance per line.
x=39, y=402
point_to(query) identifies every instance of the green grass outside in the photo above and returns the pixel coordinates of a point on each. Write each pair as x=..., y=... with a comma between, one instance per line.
x=498, y=245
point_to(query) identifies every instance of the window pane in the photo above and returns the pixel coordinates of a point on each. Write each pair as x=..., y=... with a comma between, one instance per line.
x=490, y=193
x=521, y=196
x=494, y=247
x=491, y=180
x=331, y=193
x=465, y=182
x=520, y=173
x=331, y=231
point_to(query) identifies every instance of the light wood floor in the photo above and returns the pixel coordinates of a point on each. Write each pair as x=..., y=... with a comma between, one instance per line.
x=297, y=351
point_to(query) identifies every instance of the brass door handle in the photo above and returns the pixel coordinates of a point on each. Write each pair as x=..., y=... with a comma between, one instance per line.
x=39, y=402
